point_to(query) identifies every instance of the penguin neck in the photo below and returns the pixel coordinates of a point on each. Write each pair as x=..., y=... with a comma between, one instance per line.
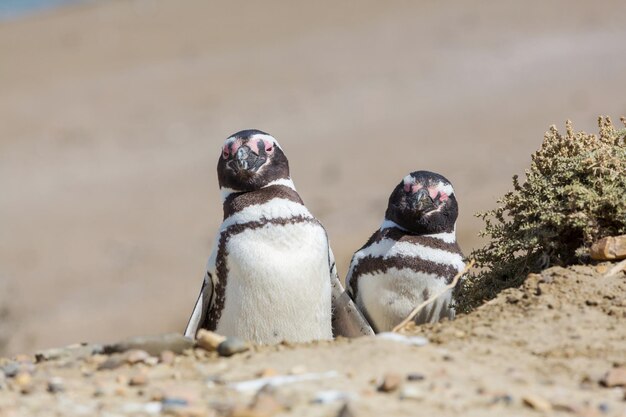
x=236, y=201
x=448, y=237
x=225, y=192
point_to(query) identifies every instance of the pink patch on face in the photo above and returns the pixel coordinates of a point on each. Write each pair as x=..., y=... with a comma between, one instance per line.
x=226, y=151
x=413, y=188
x=268, y=145
x=434, y=193
x=232, y=147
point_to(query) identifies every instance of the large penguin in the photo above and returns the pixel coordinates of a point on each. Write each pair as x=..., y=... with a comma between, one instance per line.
x=271, y=276
x=412, y=256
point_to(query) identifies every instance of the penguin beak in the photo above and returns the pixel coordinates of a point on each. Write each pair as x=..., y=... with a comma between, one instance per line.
x=246, y=160
x=421, y=202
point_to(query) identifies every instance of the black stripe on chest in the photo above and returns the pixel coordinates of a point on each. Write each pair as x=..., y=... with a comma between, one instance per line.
x=378, y=264
x=236, y=202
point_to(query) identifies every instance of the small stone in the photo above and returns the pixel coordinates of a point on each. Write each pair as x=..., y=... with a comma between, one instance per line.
x=24, y=382
x=112, y=362
x=391, y=382
x=73, y=352
x=154, y=345
x=134, y=356
x=615, y=377
x=232, y=346
x=23, y=358
x=346, y=411
x=97, y=359
x=414, y=376
x=267, y=373
x=10, y=369
x=298, y=370
x=138, y=380
x=602, y=269
x=609, y=248
x=265, y=403
x=587, y=411
x=506, y=399
x=120, y=391
x=55, y=385
x=122, y=379
x=412, y=393
x=180, y=406
x=209, y=340
x=330, y=396
x=536, y=402
x=167, y=357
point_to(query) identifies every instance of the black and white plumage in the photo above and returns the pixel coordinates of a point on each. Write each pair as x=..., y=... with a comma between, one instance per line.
x=413, y=255
x=271, y=275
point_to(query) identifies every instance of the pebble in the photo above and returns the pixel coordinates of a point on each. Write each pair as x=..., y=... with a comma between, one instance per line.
x=298, y=370
x=265, y=402
x=609, y=248
x=181, y=407
x=412, y=393
x=167, y=357
x=10, y=369
x=112, y=362
x=55, y=385
x=414, y=376
x=615, y=377
x=23, y=358
x=138, y=380
x=267, y=372
x=346, y=411
x=232, y=346
x=134, y=356
x=506, y=399
x=390, y=382
x=154, y=345
x=24, y=382
x=537, y=403
x=73, y=352
x=209, y=340
x=330, y=396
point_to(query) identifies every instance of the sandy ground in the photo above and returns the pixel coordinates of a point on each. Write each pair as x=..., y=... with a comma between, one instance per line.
x=113, y=112
x=543, y=349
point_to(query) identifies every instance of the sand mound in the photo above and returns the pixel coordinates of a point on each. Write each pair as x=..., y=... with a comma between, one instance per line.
x=546, y=346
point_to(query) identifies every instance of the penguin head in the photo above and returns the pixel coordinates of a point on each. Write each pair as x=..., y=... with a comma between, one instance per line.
x=423, y=203
x=249, y=160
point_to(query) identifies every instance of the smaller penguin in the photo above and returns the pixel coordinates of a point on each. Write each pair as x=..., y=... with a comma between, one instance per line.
x=413, y=255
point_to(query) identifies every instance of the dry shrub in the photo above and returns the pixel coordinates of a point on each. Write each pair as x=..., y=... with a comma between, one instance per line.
x=574, y=194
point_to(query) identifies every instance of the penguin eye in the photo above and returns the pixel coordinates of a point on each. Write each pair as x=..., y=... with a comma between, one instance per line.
x=225, y=154
x=269, y=148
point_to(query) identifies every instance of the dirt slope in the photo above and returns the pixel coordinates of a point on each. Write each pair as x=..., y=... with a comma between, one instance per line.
x=542, y=348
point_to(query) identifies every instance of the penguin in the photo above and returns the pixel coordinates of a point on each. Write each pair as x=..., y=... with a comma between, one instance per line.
x=271, y=276
x=413, y=255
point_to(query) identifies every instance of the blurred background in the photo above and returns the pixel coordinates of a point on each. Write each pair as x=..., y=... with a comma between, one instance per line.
x=113, y=112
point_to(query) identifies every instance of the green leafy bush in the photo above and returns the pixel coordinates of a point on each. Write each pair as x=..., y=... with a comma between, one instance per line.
x=574, y=194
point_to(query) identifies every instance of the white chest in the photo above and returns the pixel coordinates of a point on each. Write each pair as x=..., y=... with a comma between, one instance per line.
x=278, y=284
x=389, y=297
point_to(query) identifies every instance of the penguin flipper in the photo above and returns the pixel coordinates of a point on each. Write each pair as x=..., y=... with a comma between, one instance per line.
x=347, y=320
x=201, y=308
